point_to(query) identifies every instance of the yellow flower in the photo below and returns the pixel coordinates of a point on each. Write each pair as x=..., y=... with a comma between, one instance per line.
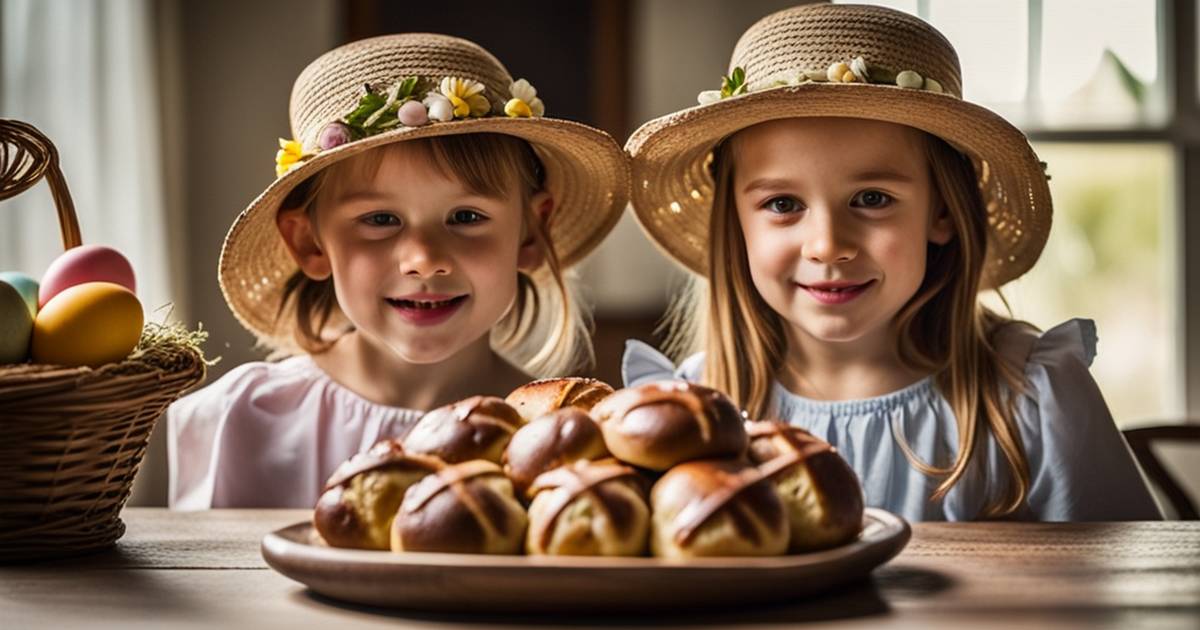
x=466, y=96
x=524, y=102
x=291, y=154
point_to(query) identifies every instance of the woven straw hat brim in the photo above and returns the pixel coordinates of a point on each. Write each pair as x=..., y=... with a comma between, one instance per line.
x=586, y=173
x=673, y=188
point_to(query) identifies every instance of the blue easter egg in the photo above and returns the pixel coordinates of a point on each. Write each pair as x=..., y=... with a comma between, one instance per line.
x=16, y=325
x=26, y=286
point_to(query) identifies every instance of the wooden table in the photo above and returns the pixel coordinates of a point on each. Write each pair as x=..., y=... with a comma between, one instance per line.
x=204, y=569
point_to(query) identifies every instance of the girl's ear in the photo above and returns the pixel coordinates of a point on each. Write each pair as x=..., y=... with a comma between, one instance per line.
x=300, y=237
x=941, y=231
x=531, y=256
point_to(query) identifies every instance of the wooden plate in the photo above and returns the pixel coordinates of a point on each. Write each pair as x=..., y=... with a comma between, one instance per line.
x=469, y=582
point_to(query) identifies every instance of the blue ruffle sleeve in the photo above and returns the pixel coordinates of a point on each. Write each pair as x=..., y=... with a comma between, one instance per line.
x=1080, y=466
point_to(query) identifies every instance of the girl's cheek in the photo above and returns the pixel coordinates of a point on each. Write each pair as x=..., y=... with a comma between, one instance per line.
x=776, y=249
x=492, y=253
x=898, y=248
x=765, y=262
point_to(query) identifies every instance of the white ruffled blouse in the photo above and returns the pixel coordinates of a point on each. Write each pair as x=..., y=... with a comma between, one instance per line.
x=269, y=435
x=1080, y=467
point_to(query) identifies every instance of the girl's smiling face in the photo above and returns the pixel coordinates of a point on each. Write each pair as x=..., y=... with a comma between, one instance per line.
x=421, y=264
x=837, y=214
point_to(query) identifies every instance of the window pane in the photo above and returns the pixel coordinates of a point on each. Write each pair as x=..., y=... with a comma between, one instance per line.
x=1099, y=64
x=1111, y=258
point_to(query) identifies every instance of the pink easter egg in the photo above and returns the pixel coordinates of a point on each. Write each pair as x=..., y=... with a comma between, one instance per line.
x=86, y=263
x=413, y=114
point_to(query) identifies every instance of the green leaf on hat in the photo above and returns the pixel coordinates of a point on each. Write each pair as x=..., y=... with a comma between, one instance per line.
x=387, y=120
x=733, y=84
x=406, y=88
x=366, y=106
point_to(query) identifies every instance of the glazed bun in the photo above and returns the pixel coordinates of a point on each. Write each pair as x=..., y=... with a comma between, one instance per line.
x=819, y=490
x=589, y=509
x=661, y=424
x=539, y=398
x=716, y=508
x=475, y=428
x=361, y=498
x=557, y=438
x=463, y=508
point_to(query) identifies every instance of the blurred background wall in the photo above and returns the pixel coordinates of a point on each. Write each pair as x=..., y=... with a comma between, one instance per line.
x=1107, y=91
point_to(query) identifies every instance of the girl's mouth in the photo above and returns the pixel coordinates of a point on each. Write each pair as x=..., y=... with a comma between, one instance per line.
x=834, y=294
x=427, y=312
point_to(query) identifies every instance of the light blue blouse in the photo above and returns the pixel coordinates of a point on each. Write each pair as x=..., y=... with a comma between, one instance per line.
x=1080, y=467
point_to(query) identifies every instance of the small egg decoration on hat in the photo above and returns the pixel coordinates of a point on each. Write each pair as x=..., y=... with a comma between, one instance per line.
x=16, y=325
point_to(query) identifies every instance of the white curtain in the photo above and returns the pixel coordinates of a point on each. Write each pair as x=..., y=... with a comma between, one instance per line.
x=84, y=73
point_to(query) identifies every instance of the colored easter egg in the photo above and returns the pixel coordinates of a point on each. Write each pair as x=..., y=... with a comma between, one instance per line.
x=16, y=325
x=86, y=263
x=88, y=324
x=26, y=286
x=413, y=114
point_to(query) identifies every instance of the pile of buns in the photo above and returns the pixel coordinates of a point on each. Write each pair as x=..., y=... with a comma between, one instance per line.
x=567, y=466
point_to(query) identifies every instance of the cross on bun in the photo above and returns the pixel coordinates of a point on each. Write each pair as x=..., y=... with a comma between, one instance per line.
x=362, y=495
x=478, y=427
x=589, y=508
x=716, y=508
x=820, y=491
x=555, y=439
x=540, y=397
x=658, y=425
x=463, y=508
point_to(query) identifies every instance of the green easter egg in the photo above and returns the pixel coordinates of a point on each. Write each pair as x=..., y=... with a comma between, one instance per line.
x=16, y=325
x=26, y=286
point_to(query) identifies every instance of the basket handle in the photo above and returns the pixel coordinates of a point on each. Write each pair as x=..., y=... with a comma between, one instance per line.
x=26, y=155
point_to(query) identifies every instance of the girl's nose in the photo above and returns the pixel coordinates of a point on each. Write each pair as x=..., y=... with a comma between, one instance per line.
x=423, y=257
x=828, y=240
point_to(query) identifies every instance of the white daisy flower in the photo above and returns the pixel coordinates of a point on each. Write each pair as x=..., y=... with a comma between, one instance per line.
x=524, y=102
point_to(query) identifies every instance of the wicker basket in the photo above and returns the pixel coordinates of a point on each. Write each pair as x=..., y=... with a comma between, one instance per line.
x=71, y=439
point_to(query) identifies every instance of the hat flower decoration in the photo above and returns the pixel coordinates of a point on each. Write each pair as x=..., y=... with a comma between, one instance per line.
x=447, y=99
x=857, y=71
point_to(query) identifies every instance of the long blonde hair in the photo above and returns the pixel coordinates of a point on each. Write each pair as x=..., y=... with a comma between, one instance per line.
x=546, y=332
x=745, y=343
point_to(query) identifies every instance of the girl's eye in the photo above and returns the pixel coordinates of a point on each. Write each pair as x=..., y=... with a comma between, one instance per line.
x=381, y=219
x=466, y=217
x=872, y=199
x=782, y=205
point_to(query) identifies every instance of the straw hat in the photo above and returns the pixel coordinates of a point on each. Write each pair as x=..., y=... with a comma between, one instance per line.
x=352, y=99
x=839, y=61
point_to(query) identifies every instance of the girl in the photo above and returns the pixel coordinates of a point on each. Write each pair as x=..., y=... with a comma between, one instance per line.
x=411, y=253
x=845, y=208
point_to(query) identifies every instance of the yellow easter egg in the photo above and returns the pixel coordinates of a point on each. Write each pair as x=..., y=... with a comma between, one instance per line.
x=88, y=324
